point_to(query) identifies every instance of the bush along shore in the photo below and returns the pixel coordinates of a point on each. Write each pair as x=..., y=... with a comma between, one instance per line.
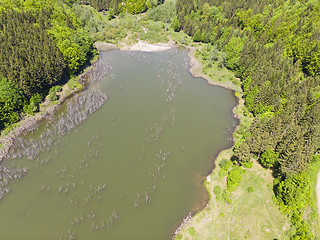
x=80, y=105
x=263, y=187
x=273, y=49
x=57, y=47
x=240, y=197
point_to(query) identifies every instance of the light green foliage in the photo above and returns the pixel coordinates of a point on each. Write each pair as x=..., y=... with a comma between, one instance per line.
x=249, y=21
x=135, y=6
x=223, y=173
x=176, y=25
x=90, y=19
x=218, y=192
x=247, y=164
x=233, y=50
x=197, y=36
x=52, y=96
x=33, y=105
x=192, y=232
x=268, y=158
x=164, y=12
x=250, y=189
x=293, y=194
x=155, y=32
x=131, y=6
x=294, y=191
x=111, y=13
x=42, y=43
x=178, y=237
x=227, y=196
x=73, y=84
x=75, y=46
x=233, y=179
x=11, y=102
x=212, y=55
x=225, y=164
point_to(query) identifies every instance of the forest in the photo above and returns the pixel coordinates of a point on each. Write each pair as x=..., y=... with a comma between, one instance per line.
x=42, y=45
x=273, y=48
x=45, y=43
x=120, y=6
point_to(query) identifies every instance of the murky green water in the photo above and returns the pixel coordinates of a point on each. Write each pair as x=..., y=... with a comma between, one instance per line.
x=131, y=170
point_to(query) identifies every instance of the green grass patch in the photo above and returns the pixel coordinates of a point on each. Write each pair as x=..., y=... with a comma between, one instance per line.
x=192, y=232
x=178, y=237
x=251, y=211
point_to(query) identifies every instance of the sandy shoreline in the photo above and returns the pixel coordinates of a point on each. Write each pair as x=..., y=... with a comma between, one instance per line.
x=140, y=46
x=143, y=46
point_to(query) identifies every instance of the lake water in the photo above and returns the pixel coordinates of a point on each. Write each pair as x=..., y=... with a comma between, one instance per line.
x=133, y=168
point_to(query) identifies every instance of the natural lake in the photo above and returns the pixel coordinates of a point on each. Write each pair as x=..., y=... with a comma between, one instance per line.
x=133, y=168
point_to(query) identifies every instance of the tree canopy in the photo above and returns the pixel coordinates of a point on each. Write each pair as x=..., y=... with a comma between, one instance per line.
x=42, y=43
x=273, y=47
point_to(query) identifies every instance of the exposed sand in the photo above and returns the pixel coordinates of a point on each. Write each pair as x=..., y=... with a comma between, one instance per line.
x=147, y=47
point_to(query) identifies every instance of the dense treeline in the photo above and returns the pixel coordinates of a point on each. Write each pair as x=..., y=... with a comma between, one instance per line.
x=42, y=43
x=29, y=58
x=118, y=6
x=273, y=47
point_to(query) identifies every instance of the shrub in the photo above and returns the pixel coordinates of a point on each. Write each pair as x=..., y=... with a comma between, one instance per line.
x=33, y=105
x=233, y=179
x=268, y=158
x=247, y=164
x=192, y=232
x=225, y=164
x=197, y=36
x=293, y=192
x=223, y=173
x=176, y=25
x=227, y=196
x=178, y=237
x=53, y=93
x=218, y=191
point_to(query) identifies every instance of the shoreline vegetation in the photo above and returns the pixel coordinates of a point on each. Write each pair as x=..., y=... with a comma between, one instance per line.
x=195, y=224
x=242, y=199
x=47, y=109
x=198, y=225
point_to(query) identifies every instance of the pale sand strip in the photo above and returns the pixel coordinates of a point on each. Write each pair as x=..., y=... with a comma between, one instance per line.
x=147, y=47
